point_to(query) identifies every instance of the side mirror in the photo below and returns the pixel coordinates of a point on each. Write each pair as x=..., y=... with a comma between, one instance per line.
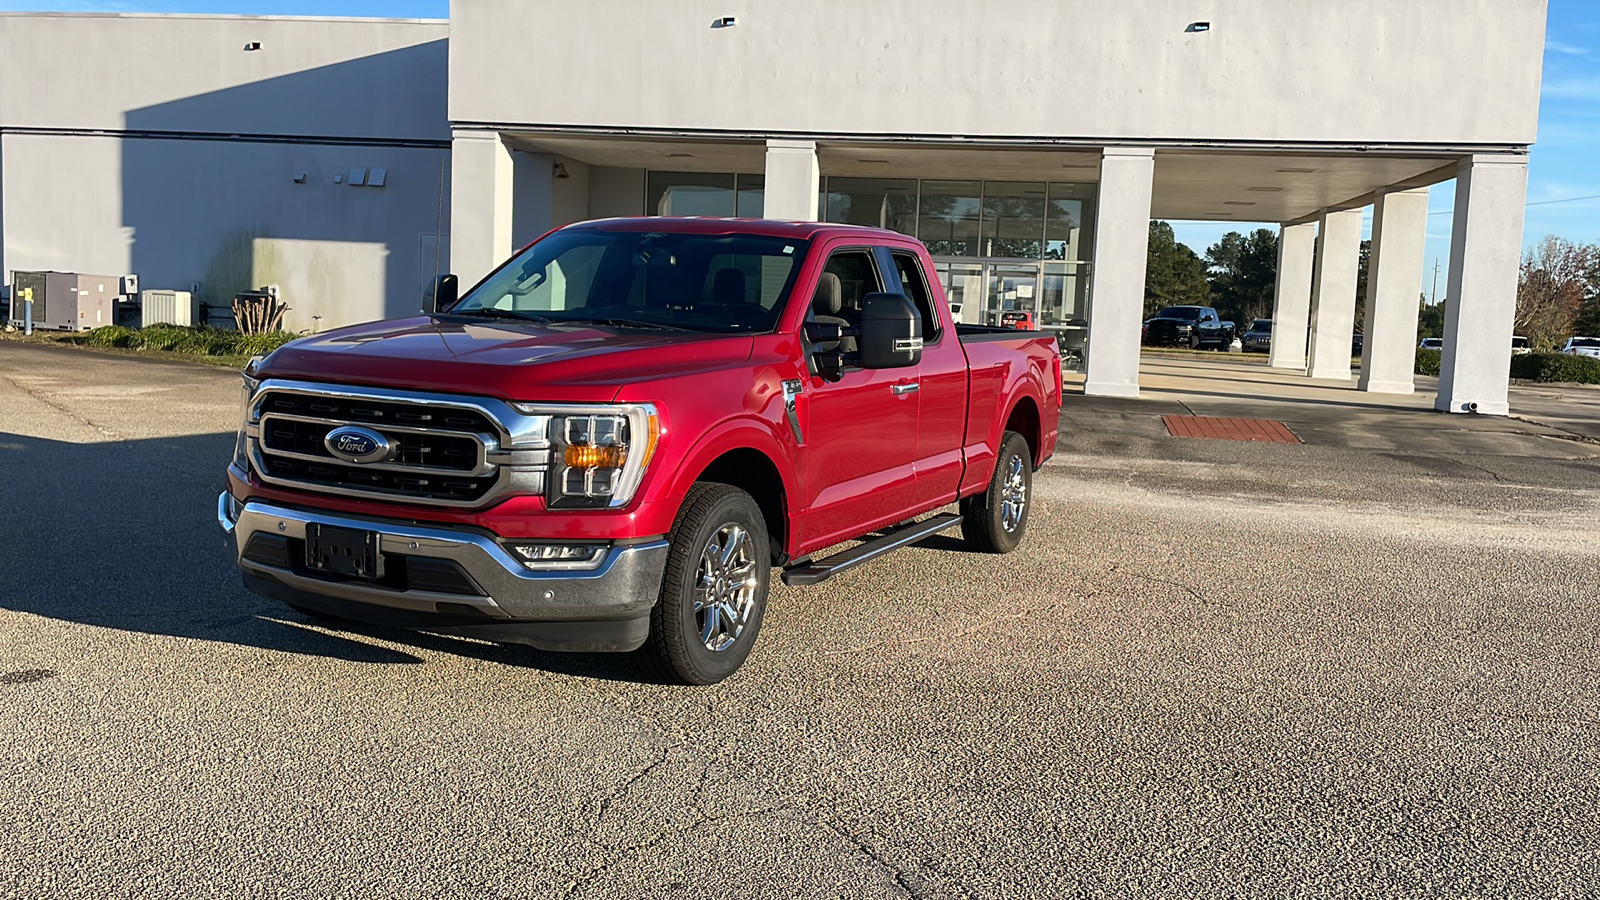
x=891, y=332
x=441, y=294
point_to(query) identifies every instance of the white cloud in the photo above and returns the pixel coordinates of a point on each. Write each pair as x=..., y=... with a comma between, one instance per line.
x=1564, y=47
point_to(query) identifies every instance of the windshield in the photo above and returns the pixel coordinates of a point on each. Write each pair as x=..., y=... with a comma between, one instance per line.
x=1263, y=326
x=1586, y=342
x=1520, y=343
x=1179, y=312
x=701, y=282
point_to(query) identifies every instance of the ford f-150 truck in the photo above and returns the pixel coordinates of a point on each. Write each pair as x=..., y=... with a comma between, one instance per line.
x=611, y=441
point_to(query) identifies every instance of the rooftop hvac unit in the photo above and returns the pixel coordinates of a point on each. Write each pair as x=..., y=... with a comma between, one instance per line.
x=169, y=308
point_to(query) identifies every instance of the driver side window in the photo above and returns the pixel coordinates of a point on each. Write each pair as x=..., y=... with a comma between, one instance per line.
x=563, y=284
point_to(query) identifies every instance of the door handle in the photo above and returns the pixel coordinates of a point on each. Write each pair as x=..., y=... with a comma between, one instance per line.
x=910, y=387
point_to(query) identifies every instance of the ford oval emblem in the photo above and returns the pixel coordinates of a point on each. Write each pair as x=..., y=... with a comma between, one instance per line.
x=352, y=443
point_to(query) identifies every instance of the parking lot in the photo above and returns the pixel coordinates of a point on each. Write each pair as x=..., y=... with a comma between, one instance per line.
x=1366, y=665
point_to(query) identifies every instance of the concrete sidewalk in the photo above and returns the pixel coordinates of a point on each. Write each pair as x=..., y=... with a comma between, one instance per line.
x=1549, y=422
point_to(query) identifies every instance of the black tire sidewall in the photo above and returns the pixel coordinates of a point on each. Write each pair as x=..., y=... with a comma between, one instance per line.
x=687, y=657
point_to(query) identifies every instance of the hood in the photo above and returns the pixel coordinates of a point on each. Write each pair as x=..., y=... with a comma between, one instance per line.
x=502, y=358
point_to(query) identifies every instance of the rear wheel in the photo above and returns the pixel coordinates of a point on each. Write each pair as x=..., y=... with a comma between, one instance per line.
x=995, y=520
x=714, y=592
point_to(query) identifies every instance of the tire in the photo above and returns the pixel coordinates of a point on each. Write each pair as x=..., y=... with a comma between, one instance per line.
x=996, y=520
x=1194, y=342
x=690, y=645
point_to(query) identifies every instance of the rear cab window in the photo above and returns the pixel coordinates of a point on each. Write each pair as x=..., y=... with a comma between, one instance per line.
x=914, y=284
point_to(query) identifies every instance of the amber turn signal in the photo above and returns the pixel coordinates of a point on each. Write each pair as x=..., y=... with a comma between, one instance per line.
x=580, y=456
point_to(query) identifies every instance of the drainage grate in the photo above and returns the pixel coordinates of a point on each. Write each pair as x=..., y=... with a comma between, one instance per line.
x=1261, y=430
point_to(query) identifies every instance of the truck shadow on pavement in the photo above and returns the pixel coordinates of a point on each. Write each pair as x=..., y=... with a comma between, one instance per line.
x=123, y=535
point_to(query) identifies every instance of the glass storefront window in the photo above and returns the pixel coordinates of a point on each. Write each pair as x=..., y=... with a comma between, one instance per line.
x=1013, y=219
x=752, y=200
x=880, y=202
x=1069, y=228
x=705, y=194
x=948, y=217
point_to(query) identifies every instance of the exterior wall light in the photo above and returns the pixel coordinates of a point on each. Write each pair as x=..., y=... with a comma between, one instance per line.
x=253, y=45
x=1197, y=27
x=561, y=170
x=723, y=22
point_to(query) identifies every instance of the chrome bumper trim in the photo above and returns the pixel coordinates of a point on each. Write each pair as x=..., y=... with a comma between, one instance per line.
x=626, y=583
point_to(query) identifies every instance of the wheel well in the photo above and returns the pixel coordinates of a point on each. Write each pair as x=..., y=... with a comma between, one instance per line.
x=752, y=472
x=1024, y=420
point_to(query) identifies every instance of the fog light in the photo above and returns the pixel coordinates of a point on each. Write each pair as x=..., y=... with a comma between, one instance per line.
x=558, y=556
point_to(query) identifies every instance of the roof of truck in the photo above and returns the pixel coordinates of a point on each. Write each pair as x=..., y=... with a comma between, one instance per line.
x=715, y=225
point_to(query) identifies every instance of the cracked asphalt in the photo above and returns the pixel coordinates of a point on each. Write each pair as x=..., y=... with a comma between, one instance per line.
x=1362, y=666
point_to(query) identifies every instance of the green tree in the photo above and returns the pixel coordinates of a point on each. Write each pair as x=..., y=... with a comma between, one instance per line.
x=1243, y=272
x=1430, y=317
x=1362, y=264
x=1588, y=320
x=1174, y=274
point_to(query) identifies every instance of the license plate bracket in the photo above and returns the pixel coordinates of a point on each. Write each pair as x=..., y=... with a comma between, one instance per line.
x=350, y=552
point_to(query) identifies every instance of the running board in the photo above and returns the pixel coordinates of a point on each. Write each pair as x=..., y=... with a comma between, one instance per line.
x=893, y=539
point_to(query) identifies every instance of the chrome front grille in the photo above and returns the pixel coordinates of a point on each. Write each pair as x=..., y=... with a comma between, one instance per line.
x=448, y=450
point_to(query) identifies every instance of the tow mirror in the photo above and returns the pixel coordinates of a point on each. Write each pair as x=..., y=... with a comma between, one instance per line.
x=891, y=332
x=441, y=294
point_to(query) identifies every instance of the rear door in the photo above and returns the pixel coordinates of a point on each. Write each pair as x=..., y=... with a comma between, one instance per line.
x=857, y=462
x=942, y=383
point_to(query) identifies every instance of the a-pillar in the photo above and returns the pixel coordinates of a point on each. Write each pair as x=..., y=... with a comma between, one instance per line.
x=1291, y=303
x=1121, y=244
x=1394, y=278
x=482, y=186
x=794, y=178
x=1333, y=295
x=1480, y=311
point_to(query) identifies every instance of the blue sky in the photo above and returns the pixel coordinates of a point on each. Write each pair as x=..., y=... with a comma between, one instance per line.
x=1565, y=163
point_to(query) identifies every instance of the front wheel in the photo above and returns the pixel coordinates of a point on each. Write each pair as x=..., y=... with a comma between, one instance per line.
x=995, y=520
x=714, y=592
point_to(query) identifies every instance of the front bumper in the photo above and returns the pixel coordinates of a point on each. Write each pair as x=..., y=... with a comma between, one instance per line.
x=459, y=581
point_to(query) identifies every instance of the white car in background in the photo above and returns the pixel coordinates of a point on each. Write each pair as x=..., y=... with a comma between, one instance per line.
x=1582, y=346
x=1520, y=345
x=1431, y=344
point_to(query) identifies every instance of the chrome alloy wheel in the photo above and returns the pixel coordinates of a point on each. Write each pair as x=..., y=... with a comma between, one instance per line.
x=1013, y=495
x=725, y=587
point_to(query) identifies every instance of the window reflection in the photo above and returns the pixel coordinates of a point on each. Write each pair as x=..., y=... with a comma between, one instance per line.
x=1013, y=219
x=948, y=217
x=880, y=202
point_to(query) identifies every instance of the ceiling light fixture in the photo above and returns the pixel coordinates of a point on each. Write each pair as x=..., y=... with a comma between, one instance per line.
x=875, y=161
x=678, y=155
x=1197, y=28
x=1239, y=202
x=1297, y=171
x=1267, y=190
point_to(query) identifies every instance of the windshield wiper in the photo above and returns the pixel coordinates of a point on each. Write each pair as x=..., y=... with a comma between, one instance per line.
x=621, y=323
x=489, y=312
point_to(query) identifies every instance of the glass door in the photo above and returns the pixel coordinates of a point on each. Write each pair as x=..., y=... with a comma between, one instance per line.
x=1013, y=295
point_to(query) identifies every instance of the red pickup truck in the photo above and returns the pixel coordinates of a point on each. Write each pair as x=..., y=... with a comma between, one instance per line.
x=609, y=443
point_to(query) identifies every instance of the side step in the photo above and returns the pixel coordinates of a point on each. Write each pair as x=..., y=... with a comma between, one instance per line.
x=893, y=539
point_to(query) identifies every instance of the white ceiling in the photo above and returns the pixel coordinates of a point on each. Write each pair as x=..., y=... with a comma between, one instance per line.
x=1221, y=185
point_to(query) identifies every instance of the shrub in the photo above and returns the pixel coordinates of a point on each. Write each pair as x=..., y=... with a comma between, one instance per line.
x=1427, y=362
x=1556, y=367
x=201, y=341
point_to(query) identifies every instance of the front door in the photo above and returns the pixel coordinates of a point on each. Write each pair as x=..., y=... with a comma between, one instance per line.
x=857, y=464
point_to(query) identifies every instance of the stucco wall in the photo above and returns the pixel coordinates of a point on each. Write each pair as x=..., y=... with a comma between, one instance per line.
x=1457, y=72
x=85, y=187
x=229, y=216
x=326, y=77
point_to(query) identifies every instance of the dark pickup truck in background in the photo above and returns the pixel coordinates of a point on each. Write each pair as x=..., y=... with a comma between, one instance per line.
x=1192, y=326
x=610, y=442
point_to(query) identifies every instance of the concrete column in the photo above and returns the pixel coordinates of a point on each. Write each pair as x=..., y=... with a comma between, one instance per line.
x=1291, y=303
x=1480, y=312
x=1394, y=276
x=1116, y=299
x=482, y=187
x=794, y=179
x=1333, y=295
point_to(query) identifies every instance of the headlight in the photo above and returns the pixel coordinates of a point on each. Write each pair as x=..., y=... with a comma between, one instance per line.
x=598, y=454
x=241, y=443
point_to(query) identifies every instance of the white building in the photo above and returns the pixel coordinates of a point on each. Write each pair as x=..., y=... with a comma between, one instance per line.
x=1028, y=142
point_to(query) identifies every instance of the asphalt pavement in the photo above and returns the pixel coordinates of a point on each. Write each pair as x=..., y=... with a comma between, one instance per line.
x=1366, y=665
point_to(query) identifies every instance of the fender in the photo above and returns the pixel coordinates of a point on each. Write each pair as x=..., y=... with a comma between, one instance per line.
x=1026, y=384
x=744, y=433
